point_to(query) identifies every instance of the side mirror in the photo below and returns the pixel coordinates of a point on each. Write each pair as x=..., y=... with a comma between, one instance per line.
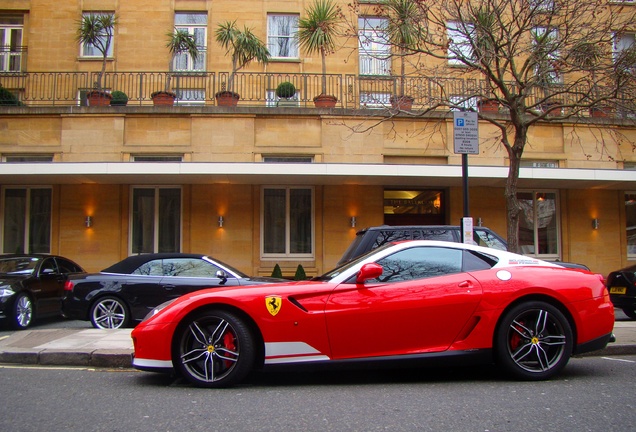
x=222, y=275
x=369, y=271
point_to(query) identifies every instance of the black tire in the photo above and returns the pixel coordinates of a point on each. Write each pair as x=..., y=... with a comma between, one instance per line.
x=631, y=313
x=23, y=313
x=109, y=313
x=213, y=349
x=534, y=341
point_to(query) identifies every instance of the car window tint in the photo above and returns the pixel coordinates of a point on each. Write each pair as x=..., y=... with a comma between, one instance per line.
x=151, y=268
x=474, y=261
x=388, y=236
x=487, y=239
x=433, y=234
x=48, y=266
x=67, y=266
x=420, y=263
x=189, y=267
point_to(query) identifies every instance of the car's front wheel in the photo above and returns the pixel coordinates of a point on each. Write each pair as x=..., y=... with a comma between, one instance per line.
x=109, y=313
x=22, y=312
x=214, y=349
x=534, y=341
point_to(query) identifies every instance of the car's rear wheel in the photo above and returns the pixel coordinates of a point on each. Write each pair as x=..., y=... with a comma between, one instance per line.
x=534, y=341
x=22, y=312
x=214, y=349
x=109, y=313
x=631, y=313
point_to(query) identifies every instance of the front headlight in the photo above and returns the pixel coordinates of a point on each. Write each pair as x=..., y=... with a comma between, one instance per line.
x=158, y=309
x=6, y=292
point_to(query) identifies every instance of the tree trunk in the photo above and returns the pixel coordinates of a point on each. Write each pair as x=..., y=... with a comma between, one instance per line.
x=513, y=209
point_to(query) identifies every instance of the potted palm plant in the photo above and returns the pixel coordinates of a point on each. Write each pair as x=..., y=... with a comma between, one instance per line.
x=179, y=41
x=243, y=46
x=404, y=33
x=96, y=30
x=317, y=33
x=546, y=69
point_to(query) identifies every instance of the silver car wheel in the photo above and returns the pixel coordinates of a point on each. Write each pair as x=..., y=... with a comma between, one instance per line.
x=109, y=313
x=23, y=311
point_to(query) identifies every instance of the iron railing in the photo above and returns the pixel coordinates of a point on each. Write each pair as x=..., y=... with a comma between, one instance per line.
x=13, y=58
x=258, y=89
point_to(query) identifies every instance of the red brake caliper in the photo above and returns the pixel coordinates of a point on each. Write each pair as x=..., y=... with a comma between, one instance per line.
x=230, y=343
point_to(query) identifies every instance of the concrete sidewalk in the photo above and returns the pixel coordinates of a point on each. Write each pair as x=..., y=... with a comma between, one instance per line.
x=114, y=348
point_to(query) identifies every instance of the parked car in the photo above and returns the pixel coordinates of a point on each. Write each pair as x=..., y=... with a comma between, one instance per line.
x=122, y=294
x=370, y=238
x=31, y=286
x=407, y=301
x=622, y=289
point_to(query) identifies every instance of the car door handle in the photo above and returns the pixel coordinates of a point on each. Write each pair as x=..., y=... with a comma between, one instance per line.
x=169, y=287
x=466, y=284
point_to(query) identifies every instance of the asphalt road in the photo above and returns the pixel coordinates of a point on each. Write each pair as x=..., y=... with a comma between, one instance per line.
x=592, y=394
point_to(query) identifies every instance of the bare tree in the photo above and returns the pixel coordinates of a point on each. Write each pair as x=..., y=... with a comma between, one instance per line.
x=538, y=60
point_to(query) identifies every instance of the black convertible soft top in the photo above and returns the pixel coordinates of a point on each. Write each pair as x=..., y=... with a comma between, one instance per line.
x=132, y=263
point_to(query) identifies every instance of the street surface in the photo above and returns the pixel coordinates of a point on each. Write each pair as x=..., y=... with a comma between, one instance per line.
x=592, y=394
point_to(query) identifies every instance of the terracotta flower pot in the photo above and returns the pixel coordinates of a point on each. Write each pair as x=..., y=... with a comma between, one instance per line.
x=98, y=98
x=488, y=105
x=601, y=111
x=227, y=98
x=403, y=103
x=163, y=98
x=325, y=101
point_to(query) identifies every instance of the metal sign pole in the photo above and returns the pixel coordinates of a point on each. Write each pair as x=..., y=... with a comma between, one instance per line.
x=466, y=140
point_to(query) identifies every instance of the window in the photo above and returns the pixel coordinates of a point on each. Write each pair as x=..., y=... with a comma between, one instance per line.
x=26, y=220
x=529, y=163
x=105, y=40
x=28, y=158
x=287, y=222
x=272, y=100
x=11, y=48
x=155, y=220
x=375, y=100
x=420, y=263
x=281, y=32
x=630, y=219
x=546, y=44
x=459, y=46
x=195, y=24
x=288, y=159
x=538, y=225
x=157, y=158
x=373, y=46
x=461, y=103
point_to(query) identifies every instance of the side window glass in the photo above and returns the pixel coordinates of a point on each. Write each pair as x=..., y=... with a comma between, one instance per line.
x=151, y=268
x=67, y=266
x=433, y=234
x=389, y=236
x=189, y=267
x=420, y=263
x=487, y=239
x=48, y=267
x=474, y=261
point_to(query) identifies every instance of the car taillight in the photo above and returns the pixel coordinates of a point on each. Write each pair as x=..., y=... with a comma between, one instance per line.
x=601, y=278
x=68, y=286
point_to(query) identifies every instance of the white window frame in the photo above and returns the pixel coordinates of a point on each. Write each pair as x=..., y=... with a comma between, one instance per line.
x=374, y=49
x=536, y=193
x=287, y=254
x=88, y=51
x=459, y=42
x=156, y=214
x=272, y=100
x=200, y=32
x=375, y=100
x=557, y=78
x=273, y=36
x=11, y=41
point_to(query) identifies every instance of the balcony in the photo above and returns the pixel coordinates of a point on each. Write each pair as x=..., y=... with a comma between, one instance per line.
x=13, y=58
x=39, y=89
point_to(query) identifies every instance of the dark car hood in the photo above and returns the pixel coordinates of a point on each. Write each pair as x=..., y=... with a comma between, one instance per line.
x=6, y=279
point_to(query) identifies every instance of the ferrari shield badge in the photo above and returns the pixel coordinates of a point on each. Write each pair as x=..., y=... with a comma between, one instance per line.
x=273, y=304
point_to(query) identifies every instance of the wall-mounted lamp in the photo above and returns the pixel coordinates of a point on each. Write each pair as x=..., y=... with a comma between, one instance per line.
x=88, y=222
x=353, y=221
x=221, y=220
x=479, y=221
x=595, y=223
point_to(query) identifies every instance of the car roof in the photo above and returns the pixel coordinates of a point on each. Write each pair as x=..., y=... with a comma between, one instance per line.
x=130, y=264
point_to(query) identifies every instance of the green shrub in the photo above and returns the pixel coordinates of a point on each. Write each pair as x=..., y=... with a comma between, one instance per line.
x=277, y=273
x=285, y=90
x=300, y=273
x=8, y=98
x=119, y=98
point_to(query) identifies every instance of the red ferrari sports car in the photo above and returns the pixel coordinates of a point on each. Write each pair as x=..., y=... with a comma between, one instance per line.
x=412, y=300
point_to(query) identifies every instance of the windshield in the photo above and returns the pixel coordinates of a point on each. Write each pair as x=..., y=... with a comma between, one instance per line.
x=19, y=265
x=338, y=270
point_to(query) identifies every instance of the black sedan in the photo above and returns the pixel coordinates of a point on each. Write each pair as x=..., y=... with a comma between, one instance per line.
x=622, y=288
x=123, y=294
x=31, y=286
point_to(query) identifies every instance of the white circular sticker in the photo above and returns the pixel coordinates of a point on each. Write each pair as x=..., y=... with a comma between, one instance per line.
x=504, y=275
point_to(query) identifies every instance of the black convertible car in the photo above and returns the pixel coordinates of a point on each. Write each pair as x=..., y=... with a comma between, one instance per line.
x=31, y=286
x=123, y=294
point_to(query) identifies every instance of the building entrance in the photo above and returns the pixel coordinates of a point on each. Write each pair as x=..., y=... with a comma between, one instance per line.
x=414, y=207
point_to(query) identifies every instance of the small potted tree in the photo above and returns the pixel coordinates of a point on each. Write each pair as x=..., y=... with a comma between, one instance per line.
x=119, y=98
x=285, y=92
x=97, y=29
x=243, y=47
x=317, y=33
x=179, y=41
